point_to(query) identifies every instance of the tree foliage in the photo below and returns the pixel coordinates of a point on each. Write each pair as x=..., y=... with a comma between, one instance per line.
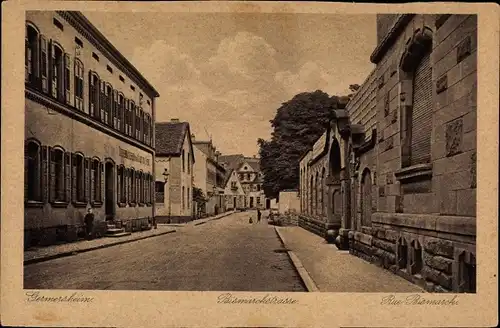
x=198, y=195
x=298, y=123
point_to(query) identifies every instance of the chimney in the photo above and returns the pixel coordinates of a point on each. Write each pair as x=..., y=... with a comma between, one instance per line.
x=175, y=120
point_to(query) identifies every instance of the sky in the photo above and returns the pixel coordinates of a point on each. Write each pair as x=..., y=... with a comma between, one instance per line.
x=227, y=73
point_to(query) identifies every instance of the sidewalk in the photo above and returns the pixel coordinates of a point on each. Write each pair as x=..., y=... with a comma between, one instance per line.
x=55, y=251
x=324, y=268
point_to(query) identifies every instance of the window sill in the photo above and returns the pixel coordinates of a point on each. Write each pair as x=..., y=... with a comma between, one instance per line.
x=122, y=204
x=33, y=203
x=59, y=204
x=79, y=204
x=96, y=204
x=132, y=204
x=415, y=172
x=141, y=204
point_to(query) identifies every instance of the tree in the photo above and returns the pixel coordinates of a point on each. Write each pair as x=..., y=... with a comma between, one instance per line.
x=298, y=123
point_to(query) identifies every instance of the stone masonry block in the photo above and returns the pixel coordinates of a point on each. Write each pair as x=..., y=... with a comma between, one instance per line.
x=463, y=69
x=452, y=112
x=456, y=91
x=457, y=180
x=470, y=122
x=442, y=84
x=466, y=202
x=363, y=238
x=450, y=35
x=455, y=163
x=385, y=245
x=422, y=203
x=438, y=262
x=457, y=225
x=472, y=165
x=454, y=137
x=469, y=141
x=391, y=235
x=437, y=246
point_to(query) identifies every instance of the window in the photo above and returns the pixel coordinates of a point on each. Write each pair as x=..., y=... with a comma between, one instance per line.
x=132, y=87
x=160, y=192
x=140, y=187
x=133, y=182
x=79, y=42
x=31, y=55
x=119, y=115
x=183, y=162
x=114, y=110
x=78, y=71
x=58, y=24
x=94, y=55
x=44, y=63
x=189, y=164
x=108, y=96
x=78, y=178
x=95, y=182
x=187, y=198
x=138, y=116
x=258, y=200
x=421, y=116
x=32, y=172
x=120, y=184
x=109, y=68
x=57, y=183
x=233, y=185
x=122, y=79
x=132, y=110
x=57, y=71
x=94, y=94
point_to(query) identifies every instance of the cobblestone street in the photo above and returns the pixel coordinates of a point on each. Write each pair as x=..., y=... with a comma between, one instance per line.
x=227, y=254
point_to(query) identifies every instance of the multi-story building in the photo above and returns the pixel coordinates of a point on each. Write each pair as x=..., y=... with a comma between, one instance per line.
x=89, y=138
x=394, y=178
x=247, y=170
x=209, y=176
x=174, y=172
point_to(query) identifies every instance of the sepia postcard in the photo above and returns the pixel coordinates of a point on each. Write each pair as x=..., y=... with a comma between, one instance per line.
x=249, y=164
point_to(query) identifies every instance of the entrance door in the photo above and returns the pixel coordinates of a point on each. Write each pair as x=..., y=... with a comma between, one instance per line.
x=251, y=202
x=110, y=190
x=234, y=202
x=268, y=203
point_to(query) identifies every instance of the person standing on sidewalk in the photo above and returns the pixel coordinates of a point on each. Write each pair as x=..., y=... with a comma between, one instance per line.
x=259, y=214
x=89, y=223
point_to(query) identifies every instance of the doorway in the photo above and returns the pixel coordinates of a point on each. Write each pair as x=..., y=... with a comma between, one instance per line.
x=234, y=202
x=251, y=202
x=268, y=203
x=109, y=189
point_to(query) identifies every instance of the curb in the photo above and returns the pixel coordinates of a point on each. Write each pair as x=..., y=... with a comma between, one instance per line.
x=304, y=275
x=70, y=253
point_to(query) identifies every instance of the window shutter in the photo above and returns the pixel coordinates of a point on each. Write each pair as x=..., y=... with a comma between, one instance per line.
x=101, y=193
x=73, y=178
x=92, y=181
x=91, y=95
x=44, y=63
x=67, y=78
x=52, y=77
x=67, y=176
x=44, y=174
x=421, y=120
x=52, y=176
x=118, y=185
x=86, y=179
x=126, y=196
x=115, y=109
x=102, y=101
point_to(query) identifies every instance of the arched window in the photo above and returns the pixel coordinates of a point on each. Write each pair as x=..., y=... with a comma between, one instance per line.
x=94, y=94
x=31, y=54
x=78, y=163
x=32, y=171
x=133, y=183
x=95, y=180
x=57, y=176
x=108, y=101
x=139, y=187
x=366, y=198
x=57, y=68
x=79, y=83
x=416, y=123
x=121, y=184
x=120, y=108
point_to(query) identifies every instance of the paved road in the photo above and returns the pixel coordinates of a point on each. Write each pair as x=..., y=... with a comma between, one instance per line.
x=228, y=254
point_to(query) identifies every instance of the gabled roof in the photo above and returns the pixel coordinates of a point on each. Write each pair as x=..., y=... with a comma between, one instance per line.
x=227, y=177
x=169, y=137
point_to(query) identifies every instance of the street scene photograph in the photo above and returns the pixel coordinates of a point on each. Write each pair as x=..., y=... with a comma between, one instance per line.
x=259, y=152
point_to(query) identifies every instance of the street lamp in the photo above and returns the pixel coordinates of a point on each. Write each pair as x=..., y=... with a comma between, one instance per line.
x=165, y=178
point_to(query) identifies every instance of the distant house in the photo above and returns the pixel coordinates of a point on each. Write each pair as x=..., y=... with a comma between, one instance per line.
x=174, y=161
x=235, y=197
x=209, y=175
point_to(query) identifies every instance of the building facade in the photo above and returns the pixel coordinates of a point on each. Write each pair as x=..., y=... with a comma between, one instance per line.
x=174, y=172
x=234, y=195
x=89, y=138
x=400, y=161
x=209, y=176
